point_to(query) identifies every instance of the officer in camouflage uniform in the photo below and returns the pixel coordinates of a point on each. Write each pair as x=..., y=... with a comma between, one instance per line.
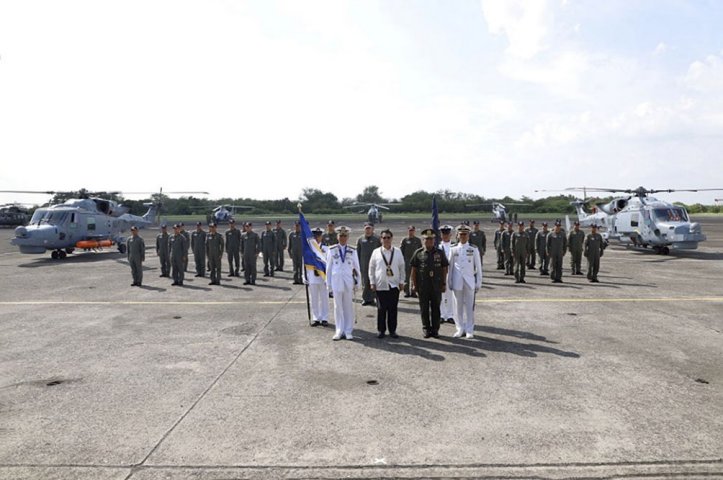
x=295, y=253
x=365, y=245
x=214, y=253
x=198, y=246
x=233, y=248
x=280, y=246
x=136, y=251
x=162, y=251
x=520, y=249
x=575, y=241
x=531, y=245
x=478, y=238
x=408, y=246
x=268, y=249
x=594, y=247
x=541, y=247
x=330, y=238
x=250, y=248
x=506, y=246
x=187, y=235
x=178, y=248
x=429, y=280
x=498, y=247
x=556, y=249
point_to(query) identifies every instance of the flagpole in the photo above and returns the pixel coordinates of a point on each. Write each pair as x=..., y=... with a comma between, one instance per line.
x=306, y=283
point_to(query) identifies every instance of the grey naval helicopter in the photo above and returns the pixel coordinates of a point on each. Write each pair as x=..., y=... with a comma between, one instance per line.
x=374, y=214
x=86, y=223
x=13, y=214
x=225, y=213
x=640, y=220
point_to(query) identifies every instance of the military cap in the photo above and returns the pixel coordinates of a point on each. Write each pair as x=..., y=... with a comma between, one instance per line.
x=211, y=225
x=178, y=225
x=198, y=224
x=521, y=224
x=502, y=222
x=445, y=228
x=368, y=225
x=544, y=224
x=278, y=221
x=577, y=222
x=297, y=223
x=428, y=233
x=532, y=221
x=330, y=222
x=267, y=223
x=476, y=222
x=594, y=225
x=249, y=224
x=232, y=221
x=181, y=224
x=317, y=231
x=164, y=226
x=558, y=222
x=411, y=227
x=134, y=227
x=342, y=230
x=462, y=228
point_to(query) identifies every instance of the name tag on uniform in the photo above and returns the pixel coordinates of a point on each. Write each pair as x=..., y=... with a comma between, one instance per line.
x=389, y=272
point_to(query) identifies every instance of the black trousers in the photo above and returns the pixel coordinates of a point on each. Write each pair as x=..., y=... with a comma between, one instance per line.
x=429, y=301
x=387, y=302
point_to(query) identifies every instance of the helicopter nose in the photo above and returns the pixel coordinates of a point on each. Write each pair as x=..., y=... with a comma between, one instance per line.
x=21, y=232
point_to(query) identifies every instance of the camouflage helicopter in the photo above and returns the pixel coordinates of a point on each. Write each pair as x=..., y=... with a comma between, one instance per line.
x=88, y=223
x=640, y=220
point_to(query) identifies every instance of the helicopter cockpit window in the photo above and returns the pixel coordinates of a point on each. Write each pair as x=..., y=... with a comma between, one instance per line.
x=73, y=220
x=671, y=215
x=52, y=217
x=38, y=216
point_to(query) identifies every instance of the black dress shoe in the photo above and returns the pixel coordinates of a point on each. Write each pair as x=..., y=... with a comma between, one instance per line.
x=133, y=284
x=174, y=284
x=315, y=324
x=406, y=295
x=450, y=320
x=380, y=335
x=522, y=281
x=427, y=334
x=324, y=323
x=230, y=275
x=435, y=334
x=394, y=335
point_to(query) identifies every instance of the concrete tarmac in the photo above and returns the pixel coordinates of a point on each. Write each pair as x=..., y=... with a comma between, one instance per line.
x=101, y=380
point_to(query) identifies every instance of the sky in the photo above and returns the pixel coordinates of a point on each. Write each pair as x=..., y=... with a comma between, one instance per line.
x=261, y=99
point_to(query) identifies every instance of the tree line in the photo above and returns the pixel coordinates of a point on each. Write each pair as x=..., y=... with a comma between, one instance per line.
x=317, y=201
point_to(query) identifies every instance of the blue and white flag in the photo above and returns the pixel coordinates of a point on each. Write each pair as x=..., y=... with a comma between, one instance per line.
x=311, y=252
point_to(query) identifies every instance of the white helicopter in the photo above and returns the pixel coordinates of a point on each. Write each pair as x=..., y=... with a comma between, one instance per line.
x=225, y=213
x=643, y=221
x=374, y=215
x=87, y=223
x=499, y=211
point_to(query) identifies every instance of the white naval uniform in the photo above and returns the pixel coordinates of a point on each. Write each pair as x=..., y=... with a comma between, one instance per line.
x=448, y=305
x=318, y=293
x=464, y=279
x=340, y=280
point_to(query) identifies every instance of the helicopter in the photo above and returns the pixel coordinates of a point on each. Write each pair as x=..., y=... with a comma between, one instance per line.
x=643, y=221
x=225, y=213
x=374, y=215
x=87, y=223
x=499, y=211
x=13, y=214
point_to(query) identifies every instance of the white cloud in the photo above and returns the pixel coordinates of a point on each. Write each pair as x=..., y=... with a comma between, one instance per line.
x=660, y=49
x=526, y=23
x=706, y=75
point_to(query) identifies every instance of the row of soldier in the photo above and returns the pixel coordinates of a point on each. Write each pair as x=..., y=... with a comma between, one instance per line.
x=518, y=250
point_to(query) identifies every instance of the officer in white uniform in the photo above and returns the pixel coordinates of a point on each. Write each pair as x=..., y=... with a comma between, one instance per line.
x=448, y=307
x=317, y=288
x=464, y=279
x=342, y=278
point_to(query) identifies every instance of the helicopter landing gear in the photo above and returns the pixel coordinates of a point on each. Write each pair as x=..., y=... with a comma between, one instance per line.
x=121, y=248
x=69, y=250
x=58, y=255
x=665, y=250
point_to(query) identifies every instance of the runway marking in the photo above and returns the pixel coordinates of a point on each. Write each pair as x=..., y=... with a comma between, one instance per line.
x=299, y=302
